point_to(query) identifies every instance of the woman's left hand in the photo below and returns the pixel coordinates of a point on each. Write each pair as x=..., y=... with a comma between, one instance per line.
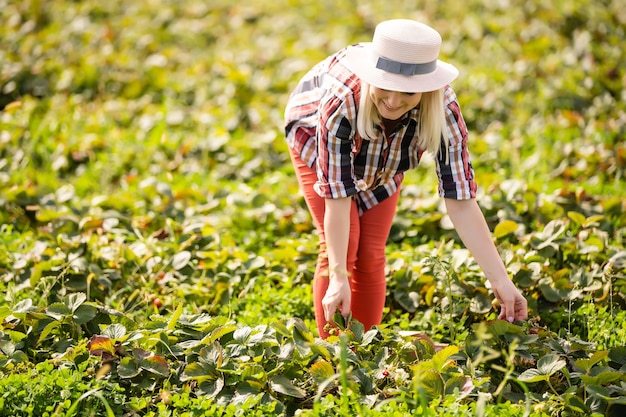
x=513, y=305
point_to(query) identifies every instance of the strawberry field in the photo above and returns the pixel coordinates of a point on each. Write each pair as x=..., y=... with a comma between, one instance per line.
x=156, y=256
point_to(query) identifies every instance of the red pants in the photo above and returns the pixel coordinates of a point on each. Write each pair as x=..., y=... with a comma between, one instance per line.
x=366, y=252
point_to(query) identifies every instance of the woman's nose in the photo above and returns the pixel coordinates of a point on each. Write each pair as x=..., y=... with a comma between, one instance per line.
x=394, y=99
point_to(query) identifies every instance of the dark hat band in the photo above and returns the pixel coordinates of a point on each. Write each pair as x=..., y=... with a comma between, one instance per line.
x=403, y=68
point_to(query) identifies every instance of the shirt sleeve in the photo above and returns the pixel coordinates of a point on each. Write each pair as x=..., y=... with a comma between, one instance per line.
x=454, y=169
x=335, y=134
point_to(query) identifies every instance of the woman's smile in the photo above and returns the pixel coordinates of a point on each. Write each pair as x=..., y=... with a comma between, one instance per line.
x=392, y=105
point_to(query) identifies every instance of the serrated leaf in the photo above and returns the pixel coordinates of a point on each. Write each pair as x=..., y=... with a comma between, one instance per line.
x=284, y=386
x=199, y=372
x=320, y=350
x=432, y=384
x=47, y=330
x=532, y=375
x=302, y=333
x=128, y=368
x=618, y=354
x=242, y=334
x=7, y=347
x=211, y=388
x=5, y=311
x=369, y=337
x=463, y=384
x=587, y=364
x=99, y=344
x=115, y=331
x=155, y=364
x=602, y=378
x=221, y=331
x=255, y=376
x=75, y=300
x=550, y=364
x=57, y=311
x=84, y=313
x=441, y=360
x=256, y=263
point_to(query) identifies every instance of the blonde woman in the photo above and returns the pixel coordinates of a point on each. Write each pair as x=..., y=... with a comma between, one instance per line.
x=354, y=124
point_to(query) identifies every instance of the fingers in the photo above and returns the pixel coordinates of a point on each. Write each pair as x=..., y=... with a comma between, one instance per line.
x=330, y=306
x=513, y=309
x=329, y=309
x=345, y=309
x=521, y=309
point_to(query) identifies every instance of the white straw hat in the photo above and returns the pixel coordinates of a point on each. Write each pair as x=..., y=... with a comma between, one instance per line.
x=403, y=56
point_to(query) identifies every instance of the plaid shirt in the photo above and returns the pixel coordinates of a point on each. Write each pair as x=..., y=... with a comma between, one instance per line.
x=320, y=124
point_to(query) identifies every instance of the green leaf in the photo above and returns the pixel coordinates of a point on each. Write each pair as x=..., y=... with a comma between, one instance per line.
x=602, y=378
x=128, y=368
x=576, y=217
x=221, y=331
x=587, y=364
x=618, y=354
x=463, y=384
x=57, y=311
x=84, y=313
x=321, y=350
x=242, y=334
x=255, y=376
x=199, y=372
x=409, y=300
x=505, y=228
x=550, y=364
x=171, y=325
x=7, y=347
x=369, y=337
x=156, y=365
x=48, y=328
x=532, y=375
x=432, y=384
x=284, y=386
x=75, y=300
x=211, y=388
x=592, y=220
x=441, y=360
x=115, y=331
x=5, y=311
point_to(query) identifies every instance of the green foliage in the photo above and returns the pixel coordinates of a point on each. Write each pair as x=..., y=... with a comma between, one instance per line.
x=156, y=257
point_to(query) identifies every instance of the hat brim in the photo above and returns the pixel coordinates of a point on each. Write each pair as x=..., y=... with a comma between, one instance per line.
x=360, y=62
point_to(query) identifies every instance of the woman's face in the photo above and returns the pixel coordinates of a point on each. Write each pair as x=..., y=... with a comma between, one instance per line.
x=392, y=105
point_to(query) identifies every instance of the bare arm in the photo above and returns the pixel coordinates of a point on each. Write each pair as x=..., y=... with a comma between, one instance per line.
x=471, y=226
x=337, y=232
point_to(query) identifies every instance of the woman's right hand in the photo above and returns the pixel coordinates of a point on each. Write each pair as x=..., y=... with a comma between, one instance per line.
x=338, y=296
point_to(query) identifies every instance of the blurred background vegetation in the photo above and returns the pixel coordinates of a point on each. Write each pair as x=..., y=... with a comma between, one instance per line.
x=541, y=83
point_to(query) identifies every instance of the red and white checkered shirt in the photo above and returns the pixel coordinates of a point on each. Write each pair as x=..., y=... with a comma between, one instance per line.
x=320, y=124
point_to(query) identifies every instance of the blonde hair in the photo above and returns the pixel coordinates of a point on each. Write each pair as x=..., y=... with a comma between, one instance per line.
x=431, y=126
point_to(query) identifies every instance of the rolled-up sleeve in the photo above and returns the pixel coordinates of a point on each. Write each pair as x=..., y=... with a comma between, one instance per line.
x=335, y=170
x=454, y=169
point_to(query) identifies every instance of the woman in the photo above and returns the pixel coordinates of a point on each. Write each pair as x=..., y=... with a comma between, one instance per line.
x=354, y=124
